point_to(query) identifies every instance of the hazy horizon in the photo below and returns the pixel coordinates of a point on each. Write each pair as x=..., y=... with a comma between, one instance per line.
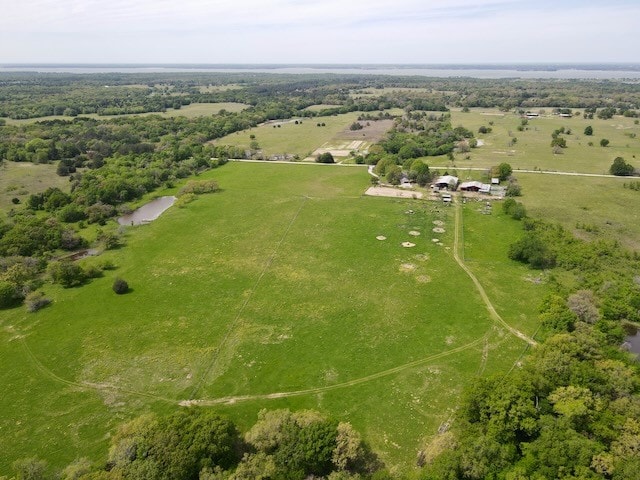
x=380, y=32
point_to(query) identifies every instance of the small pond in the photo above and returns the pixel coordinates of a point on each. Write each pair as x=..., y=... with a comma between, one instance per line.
x=148, y=212
x=632, y=341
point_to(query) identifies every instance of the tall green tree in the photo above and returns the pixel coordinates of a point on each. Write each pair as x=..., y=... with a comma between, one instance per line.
x=621, y=168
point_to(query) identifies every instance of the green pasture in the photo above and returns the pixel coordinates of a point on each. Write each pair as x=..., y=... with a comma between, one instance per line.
x=190, y=111
x=301, y=139
x=510, y=286
x=19, y=180
x=532, y=149
x=275, y=285
x=590, y=207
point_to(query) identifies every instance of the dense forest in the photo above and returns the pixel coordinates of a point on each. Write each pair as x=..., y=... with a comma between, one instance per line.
x=24, y=95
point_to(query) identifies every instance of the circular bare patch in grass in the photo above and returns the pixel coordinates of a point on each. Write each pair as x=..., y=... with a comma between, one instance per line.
x=435, y=240
x=414, y=233
x=408, y=244
x=438, y=223
x=422, y=257
x=438, y=230
x=381, y=237
x=423, y=278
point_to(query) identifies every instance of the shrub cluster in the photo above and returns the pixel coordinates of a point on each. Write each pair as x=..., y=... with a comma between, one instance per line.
x=199, y=187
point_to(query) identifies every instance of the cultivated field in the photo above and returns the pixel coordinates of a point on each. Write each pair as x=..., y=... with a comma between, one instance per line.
x=289, y=288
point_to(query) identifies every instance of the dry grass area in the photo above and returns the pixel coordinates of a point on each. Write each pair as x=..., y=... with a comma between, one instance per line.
x=372, y=131
x=357, y=141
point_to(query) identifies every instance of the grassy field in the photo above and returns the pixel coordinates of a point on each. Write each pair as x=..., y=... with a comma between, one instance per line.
x=190, y=111
x=277, y=284
x=532, y=149
x=301, y=139
x=590, y=207
x=19, y=180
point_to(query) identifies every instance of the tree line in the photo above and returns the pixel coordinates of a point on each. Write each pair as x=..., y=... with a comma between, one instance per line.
x=197, y=444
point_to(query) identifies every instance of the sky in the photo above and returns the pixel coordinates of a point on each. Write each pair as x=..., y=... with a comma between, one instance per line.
x=320, y=31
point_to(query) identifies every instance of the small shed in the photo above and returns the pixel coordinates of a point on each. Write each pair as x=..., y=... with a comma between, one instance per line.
x=448, y=182
x=446, y=198
x=495, y=181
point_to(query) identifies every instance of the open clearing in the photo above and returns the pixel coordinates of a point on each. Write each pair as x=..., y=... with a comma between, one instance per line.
x=190, y=111
x=19, y=180
x=306, y=138
x=275, y=292
x=532, y=150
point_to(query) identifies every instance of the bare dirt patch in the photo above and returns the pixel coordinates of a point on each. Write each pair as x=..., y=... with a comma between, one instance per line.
x=391, y=192
x=408, y=244
x=381, y=237
x=438, y=230
x=423, y=279
x=407, y=267
x=414, y=233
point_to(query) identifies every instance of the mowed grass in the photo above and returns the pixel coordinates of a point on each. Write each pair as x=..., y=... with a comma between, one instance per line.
x=192, y=110
x=21, y=179
x=276, y=284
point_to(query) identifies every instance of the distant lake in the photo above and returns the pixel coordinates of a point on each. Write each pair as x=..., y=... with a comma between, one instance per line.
x=557, y=71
